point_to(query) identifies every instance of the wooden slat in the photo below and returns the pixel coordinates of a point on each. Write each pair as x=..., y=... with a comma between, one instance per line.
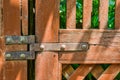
x=102, y=37
x=81, y=72
x=110, y=73
x=103, y=14
x=87, y=10
x=95, y=55
x=67, y=70
x=47, y=24
x=11, y=24
x=117, y=14
x=71, y=14
x=24, y=17
x=97, y=71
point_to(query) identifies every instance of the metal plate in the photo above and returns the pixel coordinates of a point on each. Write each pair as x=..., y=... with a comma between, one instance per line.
x=20, y=55
x=19, y=39
x=84, y=46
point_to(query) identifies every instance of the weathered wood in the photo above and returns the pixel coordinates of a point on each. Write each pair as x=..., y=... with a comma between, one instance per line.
x=103, y=14
x=47, y=24
x=24, y=7
x=81, y=72
x=98, y=37
x=110, y=73
x=117, y=14
x=97, y=71
x=87, y=10
x=71, y=14
x=11, y=10
x=95, y=55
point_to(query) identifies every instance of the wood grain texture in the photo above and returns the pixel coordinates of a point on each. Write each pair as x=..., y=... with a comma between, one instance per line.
x=97, y=37
x=47, y=24
x=24, y=15
x=97, y=71
x=11, y=25
x=103, y=14
x=117, y=14
x=67, y=70
x=81, y=72
x=71, y=14
x=95, y=55
x=110, y=73
x=87, y=10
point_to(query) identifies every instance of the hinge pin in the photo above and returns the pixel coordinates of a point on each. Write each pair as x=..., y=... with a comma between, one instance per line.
x=42, y=47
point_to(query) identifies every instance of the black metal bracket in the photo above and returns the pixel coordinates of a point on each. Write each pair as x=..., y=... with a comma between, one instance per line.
x=39, y=47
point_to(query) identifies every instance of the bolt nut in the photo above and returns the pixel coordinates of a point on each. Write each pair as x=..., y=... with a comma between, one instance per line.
x=8, y=55
x=22, y=55
x=42, y=47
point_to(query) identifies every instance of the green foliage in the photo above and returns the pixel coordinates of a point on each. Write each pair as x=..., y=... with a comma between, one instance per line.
x=94, y=15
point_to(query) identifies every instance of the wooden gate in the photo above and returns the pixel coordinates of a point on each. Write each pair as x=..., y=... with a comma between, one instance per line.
x=52, y=62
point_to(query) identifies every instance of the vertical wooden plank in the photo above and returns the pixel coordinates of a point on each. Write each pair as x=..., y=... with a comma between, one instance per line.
x=81, y=72
x=117, y=14
x=46, y=30
x=87, y=10
x=24, y=17
x=110, y=73
x=103, y=14
x=71, y=14
x=13, y=70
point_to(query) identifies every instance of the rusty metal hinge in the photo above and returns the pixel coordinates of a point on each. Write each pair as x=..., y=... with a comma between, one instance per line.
x=39, y=47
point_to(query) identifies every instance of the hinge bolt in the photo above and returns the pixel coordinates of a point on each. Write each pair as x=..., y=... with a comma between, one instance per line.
x=42, y=47
x=8, y=55
x=63, y=47
x=84, y=46
x=22, y=55
x=22, y=39
x=9, y=40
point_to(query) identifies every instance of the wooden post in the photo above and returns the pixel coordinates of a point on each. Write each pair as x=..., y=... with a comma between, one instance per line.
x=46, y=30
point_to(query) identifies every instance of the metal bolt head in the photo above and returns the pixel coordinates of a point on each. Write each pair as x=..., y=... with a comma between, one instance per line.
x=22, y=55
x=22, y=39
x=63, y=47
x=9, y=40
x=84, y=46
x=42, y=47
x=8, y=55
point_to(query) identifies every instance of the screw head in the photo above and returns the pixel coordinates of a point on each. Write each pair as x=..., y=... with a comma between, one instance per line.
x=63, y=47
x=84, y=46
x=42, y=47
x=8, y=55
x=22, y=55
x=9, y=40
x=22, y=39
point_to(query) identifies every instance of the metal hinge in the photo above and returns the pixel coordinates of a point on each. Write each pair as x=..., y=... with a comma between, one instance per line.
x=39, y=47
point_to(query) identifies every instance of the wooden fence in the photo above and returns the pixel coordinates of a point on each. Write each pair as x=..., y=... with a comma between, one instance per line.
x=104, y=45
